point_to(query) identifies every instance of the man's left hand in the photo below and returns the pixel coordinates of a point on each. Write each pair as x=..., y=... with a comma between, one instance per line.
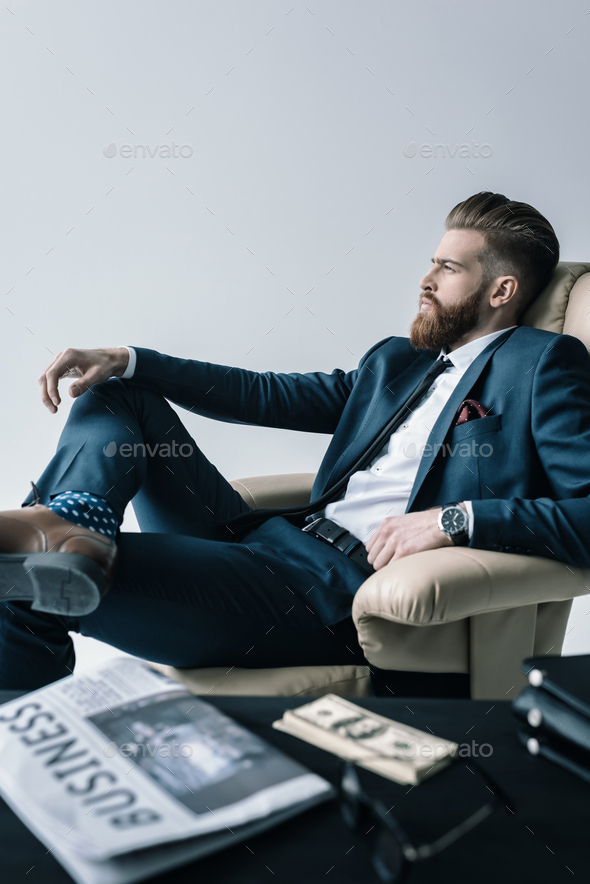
x=400, y=536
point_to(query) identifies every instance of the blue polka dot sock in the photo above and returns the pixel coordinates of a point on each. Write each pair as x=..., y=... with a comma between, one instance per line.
x=86, y=510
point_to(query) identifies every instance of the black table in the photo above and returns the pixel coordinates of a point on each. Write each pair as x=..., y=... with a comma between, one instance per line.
x=547, y=840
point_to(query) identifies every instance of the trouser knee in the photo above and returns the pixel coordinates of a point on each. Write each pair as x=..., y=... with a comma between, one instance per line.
x=110, y=397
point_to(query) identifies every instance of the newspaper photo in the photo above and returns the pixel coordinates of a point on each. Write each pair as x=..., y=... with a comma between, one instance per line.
x=121, y=760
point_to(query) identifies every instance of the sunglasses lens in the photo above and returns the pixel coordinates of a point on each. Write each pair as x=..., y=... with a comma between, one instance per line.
x=350, y=812
x=350, y=792
x=388, y=858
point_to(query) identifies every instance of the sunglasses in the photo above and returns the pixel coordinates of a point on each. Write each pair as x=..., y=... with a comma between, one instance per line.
x=392, y=851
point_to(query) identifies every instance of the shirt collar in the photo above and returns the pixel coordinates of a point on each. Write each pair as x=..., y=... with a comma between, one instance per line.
x=463, y=356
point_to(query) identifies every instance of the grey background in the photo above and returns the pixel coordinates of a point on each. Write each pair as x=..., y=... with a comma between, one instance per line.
x=296, y=234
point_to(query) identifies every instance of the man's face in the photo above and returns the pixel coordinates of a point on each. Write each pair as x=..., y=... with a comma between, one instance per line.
x=452, y=299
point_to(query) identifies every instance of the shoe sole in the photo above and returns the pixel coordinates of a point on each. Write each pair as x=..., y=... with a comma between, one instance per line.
x=57, y=583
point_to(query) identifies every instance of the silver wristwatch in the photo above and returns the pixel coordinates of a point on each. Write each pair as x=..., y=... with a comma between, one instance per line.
x=453, y=521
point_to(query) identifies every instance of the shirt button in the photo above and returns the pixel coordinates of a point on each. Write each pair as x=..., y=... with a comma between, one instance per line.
x=405, y=426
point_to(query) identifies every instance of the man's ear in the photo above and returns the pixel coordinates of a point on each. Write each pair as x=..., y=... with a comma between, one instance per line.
x=505, y=291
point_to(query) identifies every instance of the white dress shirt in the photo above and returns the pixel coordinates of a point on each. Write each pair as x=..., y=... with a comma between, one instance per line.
x=130, y=370
x=383, y=488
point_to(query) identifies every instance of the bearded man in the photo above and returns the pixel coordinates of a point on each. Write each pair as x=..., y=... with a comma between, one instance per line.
x=474, y=430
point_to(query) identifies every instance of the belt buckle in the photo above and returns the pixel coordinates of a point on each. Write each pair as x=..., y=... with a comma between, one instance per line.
x=311, y=524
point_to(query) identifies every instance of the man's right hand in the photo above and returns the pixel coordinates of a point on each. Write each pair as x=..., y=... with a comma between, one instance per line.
x=90, y=366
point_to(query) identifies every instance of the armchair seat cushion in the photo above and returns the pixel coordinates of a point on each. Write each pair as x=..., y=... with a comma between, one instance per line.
x=288, y=681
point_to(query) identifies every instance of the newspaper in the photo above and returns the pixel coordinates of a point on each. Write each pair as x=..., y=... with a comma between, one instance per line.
x=122, y=760
x=394, y=750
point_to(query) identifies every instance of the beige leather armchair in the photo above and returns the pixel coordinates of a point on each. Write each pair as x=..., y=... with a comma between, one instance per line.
x=446, y=610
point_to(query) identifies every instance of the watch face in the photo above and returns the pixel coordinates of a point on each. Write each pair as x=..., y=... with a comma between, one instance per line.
x=454, y=520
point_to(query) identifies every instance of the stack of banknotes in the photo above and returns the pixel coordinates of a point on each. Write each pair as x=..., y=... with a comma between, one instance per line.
x=395, y=750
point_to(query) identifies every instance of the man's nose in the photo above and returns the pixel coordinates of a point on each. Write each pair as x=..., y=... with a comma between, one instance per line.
x=427, y=282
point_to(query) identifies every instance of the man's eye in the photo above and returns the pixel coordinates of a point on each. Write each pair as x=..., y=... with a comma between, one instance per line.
x=448, y=267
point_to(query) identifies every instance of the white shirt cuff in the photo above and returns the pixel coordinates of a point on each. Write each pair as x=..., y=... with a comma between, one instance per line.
x=130, y=370
x=469, y=508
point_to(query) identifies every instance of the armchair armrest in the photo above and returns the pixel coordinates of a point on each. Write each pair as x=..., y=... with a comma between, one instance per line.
x=486, y=606
x=289, y=489
x=443, y=585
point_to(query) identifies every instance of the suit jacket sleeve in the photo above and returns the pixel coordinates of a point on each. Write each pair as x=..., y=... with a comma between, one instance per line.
x=556, y=528
x=311, y=402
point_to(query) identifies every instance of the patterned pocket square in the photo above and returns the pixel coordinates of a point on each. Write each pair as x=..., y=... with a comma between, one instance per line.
x=469, y=410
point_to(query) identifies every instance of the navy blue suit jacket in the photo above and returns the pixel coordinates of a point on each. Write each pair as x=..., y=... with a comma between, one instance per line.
x=526, y=466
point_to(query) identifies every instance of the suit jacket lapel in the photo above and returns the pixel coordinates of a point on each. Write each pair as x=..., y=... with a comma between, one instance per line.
x=445, y=418
x=389, y=400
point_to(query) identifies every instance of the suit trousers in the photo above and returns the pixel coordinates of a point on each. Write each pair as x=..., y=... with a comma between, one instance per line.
x=186, y=591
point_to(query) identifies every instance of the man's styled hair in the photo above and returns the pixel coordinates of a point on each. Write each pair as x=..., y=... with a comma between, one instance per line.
x=519, y=241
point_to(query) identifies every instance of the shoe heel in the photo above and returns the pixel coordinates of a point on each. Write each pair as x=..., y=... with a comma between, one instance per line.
x=65, y=583
x=15, y=584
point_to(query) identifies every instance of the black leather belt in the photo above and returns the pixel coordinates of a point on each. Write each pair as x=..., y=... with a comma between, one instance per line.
x=341, y=539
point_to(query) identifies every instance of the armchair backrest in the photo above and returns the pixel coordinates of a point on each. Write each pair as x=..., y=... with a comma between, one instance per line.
x=564, y=305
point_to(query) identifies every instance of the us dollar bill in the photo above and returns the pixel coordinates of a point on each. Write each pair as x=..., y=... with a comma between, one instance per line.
x=391, y=748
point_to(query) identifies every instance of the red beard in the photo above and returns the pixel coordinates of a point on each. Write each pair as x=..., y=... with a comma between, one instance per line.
x=443, y=326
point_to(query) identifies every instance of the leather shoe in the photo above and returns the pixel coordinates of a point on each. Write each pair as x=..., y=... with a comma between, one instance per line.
x=61, y=567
